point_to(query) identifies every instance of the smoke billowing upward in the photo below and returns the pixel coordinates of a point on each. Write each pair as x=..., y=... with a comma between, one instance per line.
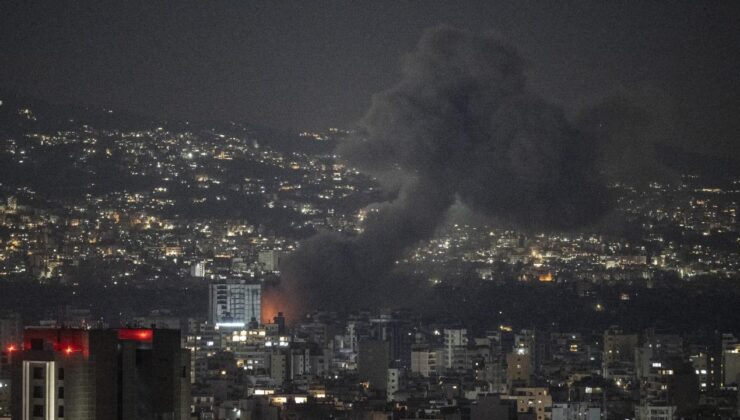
x=460, y=126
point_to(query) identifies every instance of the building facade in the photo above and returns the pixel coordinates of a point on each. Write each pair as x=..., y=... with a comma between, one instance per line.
x=124, y=374
x=234, y=303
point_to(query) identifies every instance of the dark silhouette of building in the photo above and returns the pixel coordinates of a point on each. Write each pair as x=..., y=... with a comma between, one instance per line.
x=373, y=361
x=123, y=374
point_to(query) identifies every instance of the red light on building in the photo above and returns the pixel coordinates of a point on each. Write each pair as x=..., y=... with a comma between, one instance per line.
x=136, y=334
x=40, y=339
x=68, y=348
x=11, y=348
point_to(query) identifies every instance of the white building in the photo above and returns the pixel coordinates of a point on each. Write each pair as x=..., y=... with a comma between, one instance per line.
x=198, y=269
x=454, y=339
x=234, y=304
x=424, y=362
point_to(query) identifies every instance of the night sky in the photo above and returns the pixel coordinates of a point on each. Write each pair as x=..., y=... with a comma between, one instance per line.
x=316, y=64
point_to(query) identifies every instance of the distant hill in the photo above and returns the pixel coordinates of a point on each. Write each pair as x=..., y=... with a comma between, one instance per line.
x=46, y=117
x=685, y=161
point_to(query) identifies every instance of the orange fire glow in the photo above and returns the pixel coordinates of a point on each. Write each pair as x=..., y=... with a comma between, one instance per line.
x=277, y=299
x=546, y=277
x=270, y=304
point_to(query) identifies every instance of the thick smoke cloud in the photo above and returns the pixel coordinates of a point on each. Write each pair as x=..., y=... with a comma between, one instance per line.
x=460, y=127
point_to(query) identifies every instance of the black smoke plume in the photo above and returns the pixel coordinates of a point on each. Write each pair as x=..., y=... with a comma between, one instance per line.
x=460, y=126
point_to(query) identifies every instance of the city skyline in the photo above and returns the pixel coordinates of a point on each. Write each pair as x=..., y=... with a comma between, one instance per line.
x=369, y=210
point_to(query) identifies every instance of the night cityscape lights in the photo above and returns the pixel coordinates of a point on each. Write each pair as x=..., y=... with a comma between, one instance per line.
x=472, y=210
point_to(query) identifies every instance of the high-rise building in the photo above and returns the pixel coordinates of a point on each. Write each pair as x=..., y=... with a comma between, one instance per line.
x=234, y=304
x=198, y=269
x=518, y=368
x=730, y=360
x=373, y=361
x=11, y=330
x=126, y=374
x=11, y=333
x=619, y=353
x=396, y=331
x=454, y=339
x=424, y=361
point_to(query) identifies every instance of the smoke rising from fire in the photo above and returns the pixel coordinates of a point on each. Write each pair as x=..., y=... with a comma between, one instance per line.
x=460, y=126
